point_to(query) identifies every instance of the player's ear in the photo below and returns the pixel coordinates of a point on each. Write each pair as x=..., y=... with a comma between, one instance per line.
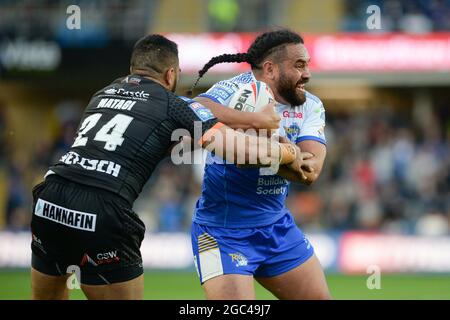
x=269, y=69
x=170, y=77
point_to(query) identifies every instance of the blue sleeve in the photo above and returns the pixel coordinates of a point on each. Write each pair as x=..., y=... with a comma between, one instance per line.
x=313, y=127
x=221, y=92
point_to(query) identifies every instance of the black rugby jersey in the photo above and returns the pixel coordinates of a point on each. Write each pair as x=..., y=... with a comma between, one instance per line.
x=126, y=130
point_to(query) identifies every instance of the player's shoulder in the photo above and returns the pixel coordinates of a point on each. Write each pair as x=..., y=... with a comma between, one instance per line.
x=222, y=91
x=183, y=102
x=237, y=81
x=182, y=99
x=110, y=88
x=312, y=103
x=133, y=87
x=187, y=104
x=312, y=99
x=175, y=99
x=243, y=78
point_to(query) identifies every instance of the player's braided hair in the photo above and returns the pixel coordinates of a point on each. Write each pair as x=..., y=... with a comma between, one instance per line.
x=263, y=46
x=236, y=58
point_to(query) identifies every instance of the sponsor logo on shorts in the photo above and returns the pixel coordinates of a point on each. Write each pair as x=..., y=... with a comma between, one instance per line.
x=101, y=258
x=86, y=259
x=107, y=257
x=38, y=243
x=239, y=259
x=70, y=218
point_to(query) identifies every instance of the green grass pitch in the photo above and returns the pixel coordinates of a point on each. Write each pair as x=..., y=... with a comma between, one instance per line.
x=184, y=285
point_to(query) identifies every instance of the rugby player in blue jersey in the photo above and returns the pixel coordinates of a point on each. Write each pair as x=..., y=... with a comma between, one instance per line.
x=242, y=229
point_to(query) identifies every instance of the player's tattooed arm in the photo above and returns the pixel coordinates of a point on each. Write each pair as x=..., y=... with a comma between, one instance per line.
x=239, y=148
x=316, y=161
x=264, y=119
x=306, y=169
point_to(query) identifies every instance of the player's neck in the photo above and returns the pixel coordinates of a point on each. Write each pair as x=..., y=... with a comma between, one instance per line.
x=145, y=75
x=153, y=79
x=156, y=80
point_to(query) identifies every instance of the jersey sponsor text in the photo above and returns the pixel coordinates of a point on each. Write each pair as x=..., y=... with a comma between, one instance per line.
x=103, y=166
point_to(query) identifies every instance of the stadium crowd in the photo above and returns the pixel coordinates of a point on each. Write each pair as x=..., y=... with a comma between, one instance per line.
x=125, y=19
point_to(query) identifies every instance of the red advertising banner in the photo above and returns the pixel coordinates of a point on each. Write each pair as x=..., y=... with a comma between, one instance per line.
x=350, y=52
x=359, y=251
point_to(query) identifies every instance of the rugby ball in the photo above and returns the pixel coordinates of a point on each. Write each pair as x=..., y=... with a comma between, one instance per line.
x=251, y=97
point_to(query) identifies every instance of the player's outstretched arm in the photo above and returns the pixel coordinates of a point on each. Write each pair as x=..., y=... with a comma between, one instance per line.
x=239, y=148
x=264, y=119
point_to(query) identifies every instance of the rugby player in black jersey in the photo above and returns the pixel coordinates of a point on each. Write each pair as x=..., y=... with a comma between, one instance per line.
x=83, y=213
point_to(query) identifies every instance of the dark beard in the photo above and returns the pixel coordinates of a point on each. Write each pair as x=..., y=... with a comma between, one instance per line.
x=288, y=92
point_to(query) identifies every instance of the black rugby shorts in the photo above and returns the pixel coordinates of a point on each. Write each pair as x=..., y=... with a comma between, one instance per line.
x=78, y=227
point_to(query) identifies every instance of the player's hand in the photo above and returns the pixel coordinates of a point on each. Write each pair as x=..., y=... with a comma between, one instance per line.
x=299, y=165
x=302, y=163
x=267, y=118
x=307, y=165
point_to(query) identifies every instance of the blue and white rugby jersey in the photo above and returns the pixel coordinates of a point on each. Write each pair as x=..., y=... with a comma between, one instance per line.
x=243, y=198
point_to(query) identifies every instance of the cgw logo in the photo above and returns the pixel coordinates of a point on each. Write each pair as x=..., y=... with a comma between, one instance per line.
x=101, y=258
x=107, y=255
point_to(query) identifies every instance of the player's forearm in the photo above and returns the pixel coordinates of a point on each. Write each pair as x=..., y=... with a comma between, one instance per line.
x=239, y=148
x=267, y=151
x=291, y=175
x=295, y=176
x=316, y=153
x=230, y=117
